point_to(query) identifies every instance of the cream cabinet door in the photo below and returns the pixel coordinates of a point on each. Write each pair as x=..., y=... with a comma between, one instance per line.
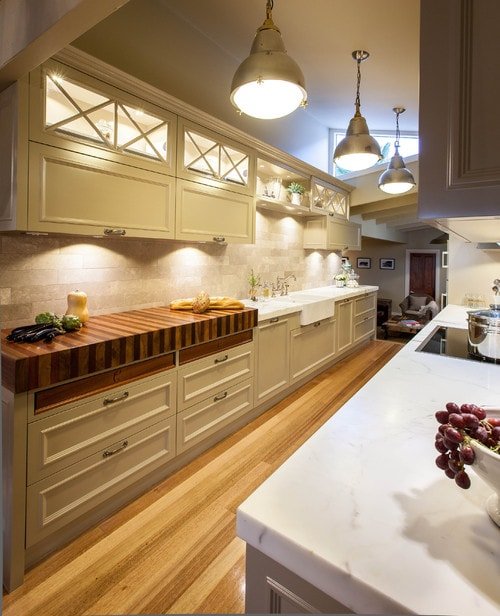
x=364, y=326
x=330, y=233
x=207, y=213
x=71, y=192
x=344, y=314
x=311, y=346
x=272, y=359
x=328, y=199
x=209, y=158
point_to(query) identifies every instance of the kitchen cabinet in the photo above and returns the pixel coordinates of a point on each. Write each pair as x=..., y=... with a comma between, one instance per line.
x=272, y=358
x=209, y=213
x=214, y=160
x=330, y=233
x=273, y=178
x=344, y=316
x=356, y=320
x=459, y=124
x=95, y=161
x=82, y=454
x=329, y=199
x=213, y=392
x=311, y=346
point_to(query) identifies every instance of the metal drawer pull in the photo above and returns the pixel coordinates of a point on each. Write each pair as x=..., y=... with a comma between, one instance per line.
x=117, y=398
x=114, y=232
x=111, y=452
x=219, y=239
x=317, y=324
x=221, y=397
x=274, y=320
x=219, y=361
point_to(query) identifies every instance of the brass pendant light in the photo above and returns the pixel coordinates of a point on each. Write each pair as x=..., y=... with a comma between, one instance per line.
x=358, y=150
x=397, y=179
x=268, y=84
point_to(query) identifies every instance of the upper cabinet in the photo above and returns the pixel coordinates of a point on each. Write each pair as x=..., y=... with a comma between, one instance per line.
x=274, y=182
x=75, y=111
x=329, y=199
x=329, y=233
x=214, y=160
x=459, y=122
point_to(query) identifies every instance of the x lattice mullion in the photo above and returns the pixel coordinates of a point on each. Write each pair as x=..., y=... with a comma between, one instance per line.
x=235, y=165
x=202, y=154
x=142, y=134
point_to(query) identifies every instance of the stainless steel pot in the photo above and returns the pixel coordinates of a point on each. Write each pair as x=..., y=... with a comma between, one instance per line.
x=484, y=331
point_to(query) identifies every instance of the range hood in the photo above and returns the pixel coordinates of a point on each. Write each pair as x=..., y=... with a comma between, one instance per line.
x=483, y=230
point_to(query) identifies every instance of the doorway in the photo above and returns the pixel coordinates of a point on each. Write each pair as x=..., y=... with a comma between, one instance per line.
x=422, y=272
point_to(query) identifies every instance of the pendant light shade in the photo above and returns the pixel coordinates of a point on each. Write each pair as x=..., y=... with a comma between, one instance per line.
x=397, y=179
x=358, y=150
x=268, y=84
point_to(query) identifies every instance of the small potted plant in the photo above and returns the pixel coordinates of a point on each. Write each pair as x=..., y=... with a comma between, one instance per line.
x=296, y=191
x=253, y=283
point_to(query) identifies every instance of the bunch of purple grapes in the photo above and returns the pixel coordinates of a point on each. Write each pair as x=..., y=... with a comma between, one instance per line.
x=458, y=425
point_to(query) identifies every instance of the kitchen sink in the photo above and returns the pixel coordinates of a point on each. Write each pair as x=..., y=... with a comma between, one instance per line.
x=313, y=307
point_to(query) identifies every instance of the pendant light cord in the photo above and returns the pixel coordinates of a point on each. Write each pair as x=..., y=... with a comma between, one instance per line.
x=398, y=134
x=357, y=102
x=269, y=8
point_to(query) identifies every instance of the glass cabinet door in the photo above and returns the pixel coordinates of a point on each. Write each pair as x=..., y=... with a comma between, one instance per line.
x=328, y=199
x=205, y=155
x=79, y=108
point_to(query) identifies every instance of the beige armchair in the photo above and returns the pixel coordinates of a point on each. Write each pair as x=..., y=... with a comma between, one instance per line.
x=416, y=306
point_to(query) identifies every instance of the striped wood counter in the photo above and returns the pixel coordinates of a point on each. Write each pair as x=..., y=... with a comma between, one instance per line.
x=114, y=340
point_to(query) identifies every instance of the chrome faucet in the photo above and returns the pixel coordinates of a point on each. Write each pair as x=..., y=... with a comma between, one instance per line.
x=282, y=284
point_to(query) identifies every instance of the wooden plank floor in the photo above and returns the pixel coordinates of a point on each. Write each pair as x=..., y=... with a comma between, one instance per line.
x=174, y=549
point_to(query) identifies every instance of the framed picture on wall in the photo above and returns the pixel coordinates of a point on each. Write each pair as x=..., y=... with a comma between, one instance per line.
x=387, y=264
x=364, y=263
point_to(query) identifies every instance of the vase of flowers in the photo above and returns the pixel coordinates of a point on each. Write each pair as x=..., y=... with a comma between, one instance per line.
x=340, y=280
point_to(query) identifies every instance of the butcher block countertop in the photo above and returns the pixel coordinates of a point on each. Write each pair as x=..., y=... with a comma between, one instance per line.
x=114, y=340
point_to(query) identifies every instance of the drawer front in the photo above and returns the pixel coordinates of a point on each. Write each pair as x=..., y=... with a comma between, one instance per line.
x=205, y=377
x=80, y=430
x=364, y=304
x=364, y=326
x=208, y=417
x=63, y=497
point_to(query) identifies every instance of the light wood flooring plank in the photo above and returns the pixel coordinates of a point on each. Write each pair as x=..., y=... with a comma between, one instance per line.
x=174, y=549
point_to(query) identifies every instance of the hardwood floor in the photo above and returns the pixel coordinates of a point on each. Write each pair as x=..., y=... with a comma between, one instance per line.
x=174, y=549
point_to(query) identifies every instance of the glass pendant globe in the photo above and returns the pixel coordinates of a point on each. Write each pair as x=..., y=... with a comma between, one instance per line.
x=268, y=99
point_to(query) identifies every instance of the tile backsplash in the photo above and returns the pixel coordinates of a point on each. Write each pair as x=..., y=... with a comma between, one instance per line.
x=37, y=273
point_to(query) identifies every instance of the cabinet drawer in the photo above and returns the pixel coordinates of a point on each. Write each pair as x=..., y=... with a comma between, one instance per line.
x=80, y=430
x=364, y=326
x=206, y=418
x=364, y=304
x=63, y=497
x=205, y=377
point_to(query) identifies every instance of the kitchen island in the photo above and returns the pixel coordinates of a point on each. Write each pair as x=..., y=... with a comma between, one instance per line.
x=360, y=519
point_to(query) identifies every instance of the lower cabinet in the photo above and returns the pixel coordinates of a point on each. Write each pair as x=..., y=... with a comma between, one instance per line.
x=344, y=315
x=311, y=346
x=82, y=454
x=205, y=419
x=356, y=320
x=272, y=358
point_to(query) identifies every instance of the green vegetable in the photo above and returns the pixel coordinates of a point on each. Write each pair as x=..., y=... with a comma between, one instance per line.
x=70, y=322
x=49, y=318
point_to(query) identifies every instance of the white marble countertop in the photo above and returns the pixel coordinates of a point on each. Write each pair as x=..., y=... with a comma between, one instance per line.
x=277, y=307
x=362, y=512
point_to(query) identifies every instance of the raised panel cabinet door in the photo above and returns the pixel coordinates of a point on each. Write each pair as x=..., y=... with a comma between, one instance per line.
x=72, y=110
x=209, y=158
x=272, y=358
x=365, y=303
x=343, y=234
x=364, y=327
x=459, y=123
x=311, y=346
x=76, y=193
x=206, y=418
x=344, y=315
x=80, y=429
x=208, y=213
x=315, y=233
x=63, y=497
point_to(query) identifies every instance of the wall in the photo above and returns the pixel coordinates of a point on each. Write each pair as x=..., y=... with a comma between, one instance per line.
x=471, y=271
x=37, y=273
